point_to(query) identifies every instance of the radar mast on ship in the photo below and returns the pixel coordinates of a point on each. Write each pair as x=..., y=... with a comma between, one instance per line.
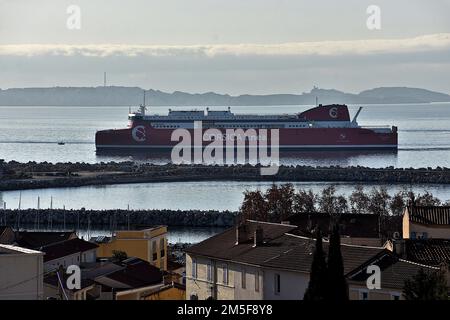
x=142, y=107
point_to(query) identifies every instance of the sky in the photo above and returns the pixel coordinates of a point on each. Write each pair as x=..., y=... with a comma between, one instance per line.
x=225, y=46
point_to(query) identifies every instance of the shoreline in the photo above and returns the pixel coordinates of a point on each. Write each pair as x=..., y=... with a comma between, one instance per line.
x=32, y=175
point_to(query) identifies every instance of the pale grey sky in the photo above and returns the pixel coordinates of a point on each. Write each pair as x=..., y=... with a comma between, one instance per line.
x=227, y=46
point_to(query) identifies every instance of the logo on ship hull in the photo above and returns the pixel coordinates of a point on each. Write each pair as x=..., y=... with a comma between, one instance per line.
x=138, y=134
x=333, y=112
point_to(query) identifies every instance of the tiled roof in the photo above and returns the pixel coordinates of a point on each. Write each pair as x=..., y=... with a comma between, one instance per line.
x=3, y=228
x=351, y=225
x=394, y=272
x=430, y=251
x=280, y=250
x=223, y=246
x=429, y=215
x=52, y=279
x=65, y=248
x=35, y=240
x=136, y=273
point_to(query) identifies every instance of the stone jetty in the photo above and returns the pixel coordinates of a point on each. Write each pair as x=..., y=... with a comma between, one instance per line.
x=114, y=219
x=32, y=175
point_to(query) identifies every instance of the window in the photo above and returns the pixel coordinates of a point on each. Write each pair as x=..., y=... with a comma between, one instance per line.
x=277, y=284
x=244, y=278
x=194, y=268
x=225, y=274
x=154, y=251
x=209, y=271
x=364, y=295
x=162, y=247
x=257, y=281
x=395, y=296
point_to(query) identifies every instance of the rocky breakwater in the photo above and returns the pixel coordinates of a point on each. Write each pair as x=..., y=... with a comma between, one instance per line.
x=114, y=219
x=17, y=176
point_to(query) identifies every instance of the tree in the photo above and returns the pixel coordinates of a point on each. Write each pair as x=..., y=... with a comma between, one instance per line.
x=317, y=286
x=305, y=202
x=280, y=202
x=398, y=203
x=273, y=199
x=427, y=199
x=379, y=201
x=338, y=288
x=359, y=200
x=341, y=204
x=254, y=206
x=119, y=256
x=426, y=286
x=327, y=200
x=287, y=192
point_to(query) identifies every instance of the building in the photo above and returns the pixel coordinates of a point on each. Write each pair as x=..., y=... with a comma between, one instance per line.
x=54, y=288
x=426, y=222
x=148, y=244
x=39, y=239
x=22, y=273
x=394, y=273
x=358, y=229
x=433, y=252
x=7, y=235
x=69, y=252
x=171, y=291
x=260, y=261
x=131, y=279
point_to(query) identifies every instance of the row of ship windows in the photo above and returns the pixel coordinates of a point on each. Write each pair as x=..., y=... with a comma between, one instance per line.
x=235, y=126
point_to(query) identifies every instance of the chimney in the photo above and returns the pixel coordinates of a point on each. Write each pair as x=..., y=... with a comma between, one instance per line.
x=241, y=233
x=258, y=237
x=399, y=247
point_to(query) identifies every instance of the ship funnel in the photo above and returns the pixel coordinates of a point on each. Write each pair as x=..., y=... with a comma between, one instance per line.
x=356, y=115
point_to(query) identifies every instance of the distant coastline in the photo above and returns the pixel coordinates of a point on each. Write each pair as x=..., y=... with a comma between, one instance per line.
x=128, y=96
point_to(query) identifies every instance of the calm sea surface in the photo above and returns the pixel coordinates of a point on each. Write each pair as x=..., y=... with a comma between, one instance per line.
x=32, y=133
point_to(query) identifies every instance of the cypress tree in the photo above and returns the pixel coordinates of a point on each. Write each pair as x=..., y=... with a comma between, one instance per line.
x=338, y=288
x=317, y=286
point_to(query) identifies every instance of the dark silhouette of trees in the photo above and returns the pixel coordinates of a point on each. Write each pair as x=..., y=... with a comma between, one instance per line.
x=426, y=286
x=281, y=201
x=359, y=200
x=338, y=288
x=254, y=206
x=327, y=199
x=305, y=201
x=327, y=280
x=317, y=286
x=379, y=201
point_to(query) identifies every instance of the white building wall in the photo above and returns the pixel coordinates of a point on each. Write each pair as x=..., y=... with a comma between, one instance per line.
x=292, y=285
x=21, y=276
x=73, y=259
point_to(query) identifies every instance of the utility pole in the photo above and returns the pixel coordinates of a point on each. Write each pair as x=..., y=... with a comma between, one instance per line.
x=104, y=79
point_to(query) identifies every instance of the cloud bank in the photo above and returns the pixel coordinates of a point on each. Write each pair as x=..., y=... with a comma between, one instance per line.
x=421, y=44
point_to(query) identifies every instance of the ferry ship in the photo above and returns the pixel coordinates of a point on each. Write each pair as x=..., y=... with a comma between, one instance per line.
x=319, y=128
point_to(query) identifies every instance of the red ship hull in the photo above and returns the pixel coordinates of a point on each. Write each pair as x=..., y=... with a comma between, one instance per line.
x=289, y=139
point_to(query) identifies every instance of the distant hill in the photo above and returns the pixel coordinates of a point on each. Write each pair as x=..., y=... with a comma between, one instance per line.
x=129, y=96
